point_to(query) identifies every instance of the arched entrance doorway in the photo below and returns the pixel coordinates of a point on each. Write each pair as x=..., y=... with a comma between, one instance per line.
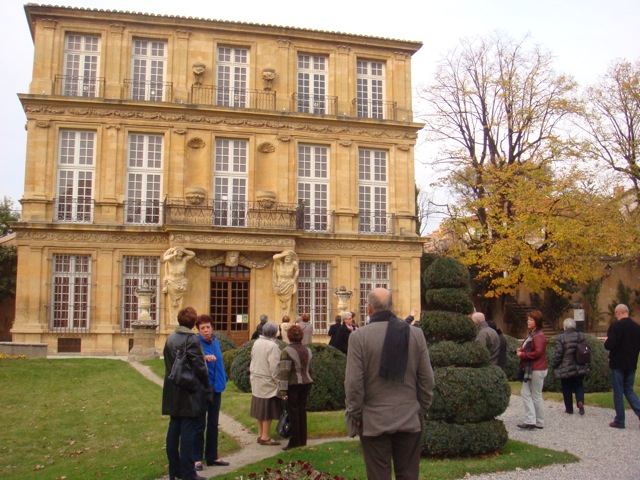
x=229, y=301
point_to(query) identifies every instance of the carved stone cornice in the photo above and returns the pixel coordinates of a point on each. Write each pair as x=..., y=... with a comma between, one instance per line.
x=249, y=259
x=90, y=237
x=360, y=246
x=231, y=239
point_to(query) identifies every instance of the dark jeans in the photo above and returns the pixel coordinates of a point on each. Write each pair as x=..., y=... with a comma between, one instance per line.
x=208, y=421
x=402, y=447
x=180, y=436
x=623, y=385
x=298, y=399
x=569, y=386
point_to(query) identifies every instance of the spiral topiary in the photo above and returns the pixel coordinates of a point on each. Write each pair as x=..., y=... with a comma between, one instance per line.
x=469, y=393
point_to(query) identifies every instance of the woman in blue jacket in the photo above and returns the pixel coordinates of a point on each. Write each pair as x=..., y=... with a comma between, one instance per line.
x=218, y=381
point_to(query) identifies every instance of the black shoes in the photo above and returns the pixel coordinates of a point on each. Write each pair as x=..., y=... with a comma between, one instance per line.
x=198, y=467
x=526, y=426
x=217, y=463
x=581, y=408
x=616, y=425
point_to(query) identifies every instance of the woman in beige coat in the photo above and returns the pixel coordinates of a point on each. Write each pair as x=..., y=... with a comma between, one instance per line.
x=264, y=368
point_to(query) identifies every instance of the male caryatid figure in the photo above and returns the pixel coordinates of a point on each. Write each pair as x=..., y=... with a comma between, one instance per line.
x=175, y=279
x=285, y=278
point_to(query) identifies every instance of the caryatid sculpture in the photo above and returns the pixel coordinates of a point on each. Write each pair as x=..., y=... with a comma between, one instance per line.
x=285, y=279
x=175, y=279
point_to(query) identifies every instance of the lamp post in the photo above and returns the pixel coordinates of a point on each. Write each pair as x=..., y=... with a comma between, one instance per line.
x=144, y=328
x=343, y=295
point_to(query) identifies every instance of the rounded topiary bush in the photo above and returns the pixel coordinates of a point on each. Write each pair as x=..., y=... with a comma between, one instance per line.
x=449, y=299
x=599, y=377
x=227, y=358
x=329, y=365
x=446, y=272
x=468, y=354
x=469, y=395
x=225, y=342
x=440, y=326
x=455, y=440
x=240, y=367
x=513, y=362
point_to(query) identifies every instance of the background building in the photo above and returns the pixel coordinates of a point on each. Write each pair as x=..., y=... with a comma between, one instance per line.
x=235, y=142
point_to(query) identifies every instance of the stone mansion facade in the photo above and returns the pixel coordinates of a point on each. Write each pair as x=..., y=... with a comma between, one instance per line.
x=237, y=168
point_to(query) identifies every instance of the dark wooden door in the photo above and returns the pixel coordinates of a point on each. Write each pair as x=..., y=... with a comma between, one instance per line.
x=229, y=301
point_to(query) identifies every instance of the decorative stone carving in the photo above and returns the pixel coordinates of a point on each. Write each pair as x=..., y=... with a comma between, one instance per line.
x=343, y=295
x=266, y=147
x=266, y=199
x=284, y=42
x=175, y=279
x=198, y=69
x=343, y=49
x=404, y=148
x=268, y=75
x=284, y=138
x=196, y=142
x=43, y=124
x=72, y=237
x=285, y=279
x=195, y=195
x=116, y=28
x=252, y=240
x=110, y=126
x=180, y=131
x=49, y=23
x=233, y=257
x=345, y=143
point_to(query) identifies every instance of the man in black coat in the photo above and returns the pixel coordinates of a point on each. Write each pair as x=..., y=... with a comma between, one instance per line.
x=623, y=343
x=184, y=406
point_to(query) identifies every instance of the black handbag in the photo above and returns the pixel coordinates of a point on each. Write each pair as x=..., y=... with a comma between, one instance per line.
x=284, y=424
x=181, y=372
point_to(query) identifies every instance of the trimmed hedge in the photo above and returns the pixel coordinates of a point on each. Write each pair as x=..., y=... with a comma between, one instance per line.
x=468, y=354
x=471, y=439
x=513, y=362
x=446, y=272
x=449, y=299
x=440, y=325
x=225, y=342
x=328, y=367
x=227, y=358
x=469, y=395
x=599, y=377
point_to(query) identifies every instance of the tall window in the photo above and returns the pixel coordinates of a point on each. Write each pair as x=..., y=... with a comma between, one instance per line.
x=76, y=166
x=313, y=293
x=370, y=89
x=149, y=60
x=372, y=191
x=312, y=80
x=230, y=183
x=313, y=185
x=71, y=292
x=136, y=272
x=81, y=57
x=232, y=85
x=372, y=275
x=144, y=179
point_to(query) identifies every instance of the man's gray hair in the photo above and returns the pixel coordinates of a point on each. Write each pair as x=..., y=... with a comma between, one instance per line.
x=569, y=323
x=263, y=318
x=477, y=317
x=623, y=309
x=270, y=329
x=380, y=299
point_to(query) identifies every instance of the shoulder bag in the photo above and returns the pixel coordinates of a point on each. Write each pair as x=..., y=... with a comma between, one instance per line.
x=181, y=372
x=284, y=424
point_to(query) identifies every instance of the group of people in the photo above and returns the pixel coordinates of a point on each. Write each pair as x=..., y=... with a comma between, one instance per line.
x=193, y=412
x=303, y=321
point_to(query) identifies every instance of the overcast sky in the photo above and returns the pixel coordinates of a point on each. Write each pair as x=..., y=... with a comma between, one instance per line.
x=584, y=35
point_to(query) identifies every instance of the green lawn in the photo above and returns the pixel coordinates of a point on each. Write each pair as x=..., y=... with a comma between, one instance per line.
x=89, y=418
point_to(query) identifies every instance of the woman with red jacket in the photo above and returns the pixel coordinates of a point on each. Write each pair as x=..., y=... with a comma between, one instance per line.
x=533, y=364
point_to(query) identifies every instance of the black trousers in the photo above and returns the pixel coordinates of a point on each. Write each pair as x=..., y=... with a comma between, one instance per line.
x=209, y=422
x=297, y=405
x=402, y=447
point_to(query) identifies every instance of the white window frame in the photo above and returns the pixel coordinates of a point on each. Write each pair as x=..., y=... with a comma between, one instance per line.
x=232, y=77
x=230, y=182
x=76, y=176
x=373, y=191
x=372, y=275
x=148, y=68
x=144, y=179
x=312, y=83
x=313, y=185
x=70, y=293
x=136, y=271
x=370, y=86
x=81, y=65
x=314, y=293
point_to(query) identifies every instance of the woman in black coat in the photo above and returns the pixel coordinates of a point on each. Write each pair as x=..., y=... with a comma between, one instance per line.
x=570, y=373
x=341, y=339
x=184, y=406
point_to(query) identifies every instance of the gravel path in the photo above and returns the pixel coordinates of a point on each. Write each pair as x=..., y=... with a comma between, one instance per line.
x=605, y=453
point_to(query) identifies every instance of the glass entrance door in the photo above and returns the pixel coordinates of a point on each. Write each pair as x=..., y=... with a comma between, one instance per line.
x=229, y=301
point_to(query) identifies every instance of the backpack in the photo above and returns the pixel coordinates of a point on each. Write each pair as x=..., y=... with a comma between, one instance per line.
x=583, y=351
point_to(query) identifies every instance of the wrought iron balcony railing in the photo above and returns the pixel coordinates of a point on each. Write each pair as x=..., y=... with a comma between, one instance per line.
x=376, y=109
x=226, y=213
x=143, y=212
x=376, y=223
x=78, y=86
x=73, y=209
x=316, y=104
x=318, y=220
x=233, y=97
x=149, y=91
